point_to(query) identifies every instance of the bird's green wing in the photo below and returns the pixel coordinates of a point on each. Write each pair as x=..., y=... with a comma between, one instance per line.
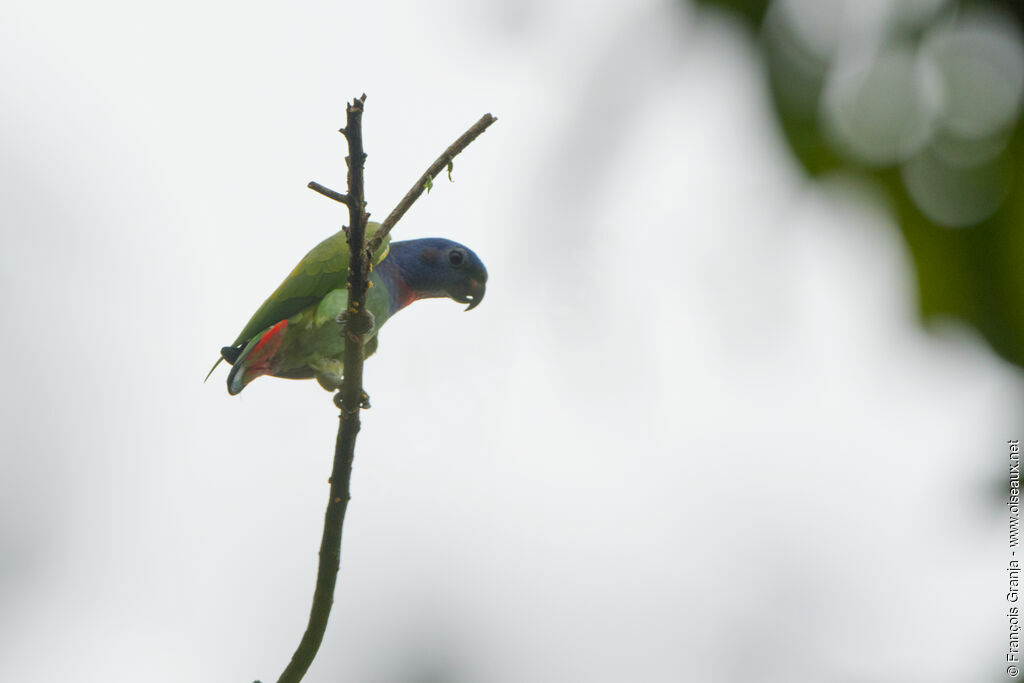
x=323, y=269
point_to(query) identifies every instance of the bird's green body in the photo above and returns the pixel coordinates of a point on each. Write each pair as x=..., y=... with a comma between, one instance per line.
x=322, y=271
x=296, y=333
x=312, y=343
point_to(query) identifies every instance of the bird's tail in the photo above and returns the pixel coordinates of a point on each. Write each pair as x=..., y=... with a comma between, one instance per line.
x=258, y=358
x=237, y=379
x=219, y=359
x=227, y=353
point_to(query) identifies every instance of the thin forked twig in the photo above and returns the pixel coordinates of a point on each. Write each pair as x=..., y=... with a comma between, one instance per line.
x=427, y=178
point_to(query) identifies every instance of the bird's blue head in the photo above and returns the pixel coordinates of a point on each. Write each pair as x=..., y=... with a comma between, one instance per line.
x=436, y=267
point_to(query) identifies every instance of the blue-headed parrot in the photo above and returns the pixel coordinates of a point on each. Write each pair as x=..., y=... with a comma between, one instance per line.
x=296, y=333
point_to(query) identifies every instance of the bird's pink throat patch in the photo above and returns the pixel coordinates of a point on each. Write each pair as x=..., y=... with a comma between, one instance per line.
x=405, y=294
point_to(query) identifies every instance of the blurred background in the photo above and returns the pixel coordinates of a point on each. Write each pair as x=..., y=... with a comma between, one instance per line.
x=735, y=407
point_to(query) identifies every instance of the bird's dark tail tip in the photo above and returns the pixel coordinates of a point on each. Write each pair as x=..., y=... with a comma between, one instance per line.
x=228, y=353
x=231, y=353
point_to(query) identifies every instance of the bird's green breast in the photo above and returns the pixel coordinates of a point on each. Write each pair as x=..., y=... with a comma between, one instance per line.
x=321, y=271
x=314, y=337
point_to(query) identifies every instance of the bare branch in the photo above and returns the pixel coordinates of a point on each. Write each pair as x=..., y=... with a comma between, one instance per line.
x=442, y=162
x=328, y=192
x=352, y=399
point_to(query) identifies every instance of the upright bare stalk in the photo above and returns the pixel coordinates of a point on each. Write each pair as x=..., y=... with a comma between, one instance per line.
x=351, y=398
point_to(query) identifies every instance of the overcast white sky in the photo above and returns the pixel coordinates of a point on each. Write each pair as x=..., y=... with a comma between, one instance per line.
x=694, y=432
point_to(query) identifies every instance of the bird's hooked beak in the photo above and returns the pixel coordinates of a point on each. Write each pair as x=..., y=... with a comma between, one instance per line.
x=472, y=295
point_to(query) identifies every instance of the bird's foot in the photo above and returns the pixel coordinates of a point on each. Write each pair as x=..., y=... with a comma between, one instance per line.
x=356, y=324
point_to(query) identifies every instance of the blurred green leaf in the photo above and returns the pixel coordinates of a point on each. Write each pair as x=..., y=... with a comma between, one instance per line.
x=973, y=272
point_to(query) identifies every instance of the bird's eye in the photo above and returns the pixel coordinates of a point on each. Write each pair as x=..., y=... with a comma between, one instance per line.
x=455, y=257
